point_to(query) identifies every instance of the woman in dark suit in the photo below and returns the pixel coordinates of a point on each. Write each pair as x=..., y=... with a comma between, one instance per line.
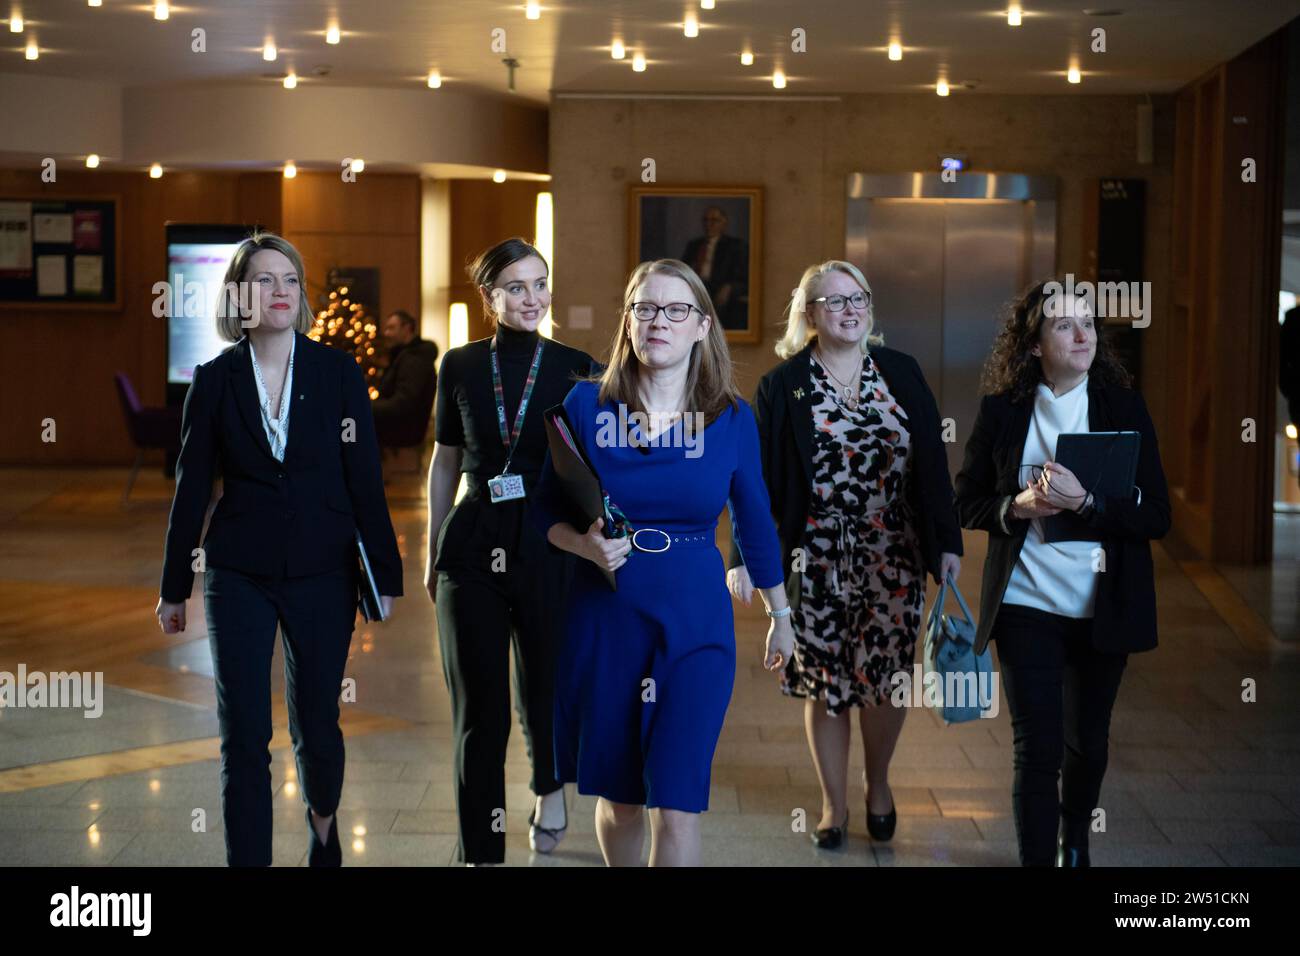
x=1066, y=614
x=858, y=477
x=495, y=581
x=286, y=422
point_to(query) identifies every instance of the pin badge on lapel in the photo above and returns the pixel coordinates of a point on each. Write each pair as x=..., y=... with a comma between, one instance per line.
x=798, y=394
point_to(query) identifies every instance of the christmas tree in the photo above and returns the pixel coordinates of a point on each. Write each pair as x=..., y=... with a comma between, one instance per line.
x=344, y=325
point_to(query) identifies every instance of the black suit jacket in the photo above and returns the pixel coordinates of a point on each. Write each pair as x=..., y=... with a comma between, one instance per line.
x=296, y=517
x=1124, y=617
x=783, y=408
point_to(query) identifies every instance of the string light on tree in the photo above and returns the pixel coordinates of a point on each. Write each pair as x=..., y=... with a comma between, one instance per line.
x=344, y=325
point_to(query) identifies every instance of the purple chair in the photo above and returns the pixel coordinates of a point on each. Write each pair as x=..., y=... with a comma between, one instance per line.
x=148, y=427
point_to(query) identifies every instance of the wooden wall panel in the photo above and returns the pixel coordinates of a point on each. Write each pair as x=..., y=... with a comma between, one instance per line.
x=65, y=359
x=482, y=214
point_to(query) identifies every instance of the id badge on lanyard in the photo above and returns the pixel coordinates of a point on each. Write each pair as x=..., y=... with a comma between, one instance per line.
x=507, y=486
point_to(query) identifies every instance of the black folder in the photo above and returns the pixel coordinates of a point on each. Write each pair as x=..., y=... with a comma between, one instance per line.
x=1105, y=464
x=576, y=474
x=372, y=609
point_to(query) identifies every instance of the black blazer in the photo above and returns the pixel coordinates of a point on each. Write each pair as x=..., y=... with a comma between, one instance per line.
x=297, y=517
x=1124, y=617
x=783, y=407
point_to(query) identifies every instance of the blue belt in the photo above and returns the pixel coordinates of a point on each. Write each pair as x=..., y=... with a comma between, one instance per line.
x=656, y=541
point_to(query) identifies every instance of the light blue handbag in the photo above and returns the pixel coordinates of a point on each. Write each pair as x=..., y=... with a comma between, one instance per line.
x=960, y=675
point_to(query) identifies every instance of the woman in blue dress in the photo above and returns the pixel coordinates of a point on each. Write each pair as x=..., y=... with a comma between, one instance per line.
x=646, y=673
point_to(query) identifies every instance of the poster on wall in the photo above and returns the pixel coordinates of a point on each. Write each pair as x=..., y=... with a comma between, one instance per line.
x=15, y=239
x=59, y=253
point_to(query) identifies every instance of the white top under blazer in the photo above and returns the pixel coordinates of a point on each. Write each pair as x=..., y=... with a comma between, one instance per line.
x=1059, y=576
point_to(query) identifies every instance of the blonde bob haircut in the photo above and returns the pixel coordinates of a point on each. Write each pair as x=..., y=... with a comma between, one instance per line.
x=229, y=314
x=710, y=379
x=799, y=328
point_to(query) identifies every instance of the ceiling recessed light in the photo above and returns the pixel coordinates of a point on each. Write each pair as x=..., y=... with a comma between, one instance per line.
x=332, y=33
x=895, y=50
x=94, y=3
x=155, y=171
x=92, y=161
x=617, y=51
x=746, y=59
x=533, y=10
x=941, y=87
x=706, y=4
x=638, y=62
x=1073, y=74
x=290, y=81
x=161, y=11
x=269, y=52
x=33, y=52
x=16, y=23
x=778, y=79
x=691, y=25
x=358, y=165
x=290, y=170
x=499, y=176
x=435, y=79
x=1013, y=15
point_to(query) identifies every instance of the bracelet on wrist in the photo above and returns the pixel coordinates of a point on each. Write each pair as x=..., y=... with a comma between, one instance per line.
x=784, y=612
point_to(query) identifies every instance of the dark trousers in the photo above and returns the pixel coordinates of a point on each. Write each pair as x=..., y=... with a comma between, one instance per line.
x=316, y=616
x=481, y=613
x=1060, y=691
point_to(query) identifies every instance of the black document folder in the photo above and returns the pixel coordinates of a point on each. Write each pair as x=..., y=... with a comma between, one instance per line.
x=367, y=591
x=576, y=475
x=1105, y=464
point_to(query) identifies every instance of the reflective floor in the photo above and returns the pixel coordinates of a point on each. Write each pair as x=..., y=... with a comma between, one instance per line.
x=1197, y=775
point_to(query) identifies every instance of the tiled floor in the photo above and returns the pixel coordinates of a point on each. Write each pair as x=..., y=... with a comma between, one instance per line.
x=1197, y=776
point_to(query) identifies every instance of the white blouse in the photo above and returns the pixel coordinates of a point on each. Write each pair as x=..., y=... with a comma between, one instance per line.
x=277, y=429
x=1056, y=576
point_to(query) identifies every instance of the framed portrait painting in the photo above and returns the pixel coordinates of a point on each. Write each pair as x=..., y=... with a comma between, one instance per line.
x=717, y=231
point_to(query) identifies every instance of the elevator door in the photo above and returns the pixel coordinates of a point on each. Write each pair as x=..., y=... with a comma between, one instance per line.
x=942, y=271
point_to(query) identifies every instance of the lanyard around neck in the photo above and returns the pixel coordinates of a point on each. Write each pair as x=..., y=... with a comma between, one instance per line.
x=511, y=439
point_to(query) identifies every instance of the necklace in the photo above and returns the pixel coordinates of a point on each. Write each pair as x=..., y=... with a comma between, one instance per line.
x=850, y=398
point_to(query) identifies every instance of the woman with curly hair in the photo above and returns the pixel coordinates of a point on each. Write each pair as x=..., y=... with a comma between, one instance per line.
x=1065, y=614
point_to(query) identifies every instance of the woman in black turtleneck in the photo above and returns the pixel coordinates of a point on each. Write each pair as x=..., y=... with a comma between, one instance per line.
x=492, y=575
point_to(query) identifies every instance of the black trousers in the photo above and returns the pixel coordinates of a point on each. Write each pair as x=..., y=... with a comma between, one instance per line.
x=1060, y=691
x=481, y=614
x=316, y=616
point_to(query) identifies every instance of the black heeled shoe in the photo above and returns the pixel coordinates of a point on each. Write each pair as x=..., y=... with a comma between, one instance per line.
x=831, y=838
x=881, y=825
x=328, y=853
x=544, y=839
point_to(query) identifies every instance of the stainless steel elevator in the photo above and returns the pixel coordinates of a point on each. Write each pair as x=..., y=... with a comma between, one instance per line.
x=943, y=260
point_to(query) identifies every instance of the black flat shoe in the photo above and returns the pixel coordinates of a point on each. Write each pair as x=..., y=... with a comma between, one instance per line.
x=831, y=838
x=1072, y=842
x=881, y=825
x=328, y=853
x=1072, y=856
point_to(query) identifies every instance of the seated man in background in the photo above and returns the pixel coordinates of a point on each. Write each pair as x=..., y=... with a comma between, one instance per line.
x=407, y=388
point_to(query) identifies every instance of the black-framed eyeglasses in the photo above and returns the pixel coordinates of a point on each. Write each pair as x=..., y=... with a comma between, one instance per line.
x=836, y=303
x=676, y=311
